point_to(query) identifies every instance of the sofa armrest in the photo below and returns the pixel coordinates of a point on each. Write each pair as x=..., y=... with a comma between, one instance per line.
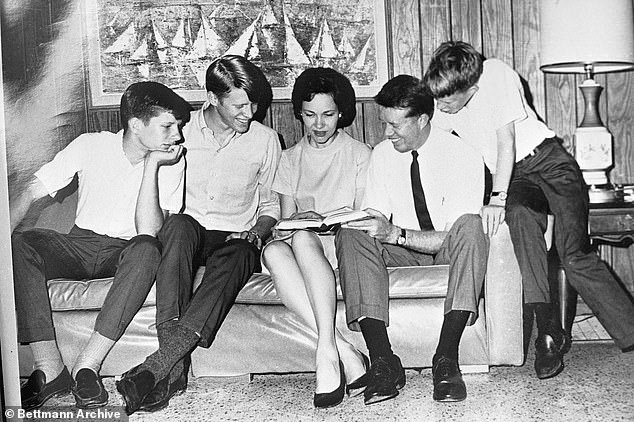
x=503, y=302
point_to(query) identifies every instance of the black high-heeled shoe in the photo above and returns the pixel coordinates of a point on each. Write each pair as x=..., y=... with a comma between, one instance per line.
x=357, y=386
x=333, y=398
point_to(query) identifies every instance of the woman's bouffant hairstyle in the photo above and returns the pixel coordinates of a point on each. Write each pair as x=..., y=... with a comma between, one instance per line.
x=322, y=80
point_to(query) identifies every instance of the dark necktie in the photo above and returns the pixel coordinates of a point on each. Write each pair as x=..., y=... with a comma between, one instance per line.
x=424, y=220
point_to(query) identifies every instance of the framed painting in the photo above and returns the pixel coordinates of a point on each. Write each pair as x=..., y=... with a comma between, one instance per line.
x=174, y=41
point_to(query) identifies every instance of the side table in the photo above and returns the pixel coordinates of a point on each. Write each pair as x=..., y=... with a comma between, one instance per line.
x=611, y=222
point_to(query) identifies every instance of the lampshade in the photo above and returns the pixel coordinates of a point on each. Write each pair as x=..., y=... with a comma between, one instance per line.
x=579, y=32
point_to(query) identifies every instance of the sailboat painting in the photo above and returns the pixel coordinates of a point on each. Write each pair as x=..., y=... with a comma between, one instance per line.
x=174, y=41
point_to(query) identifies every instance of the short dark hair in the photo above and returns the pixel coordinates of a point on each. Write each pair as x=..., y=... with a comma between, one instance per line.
x=407, y=92
x=454, y=67
x=323, y=80
x=229, y=72
x=147, y=99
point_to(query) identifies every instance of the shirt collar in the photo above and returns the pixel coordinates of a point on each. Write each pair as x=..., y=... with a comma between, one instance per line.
x=204, y=128
x=201, y=115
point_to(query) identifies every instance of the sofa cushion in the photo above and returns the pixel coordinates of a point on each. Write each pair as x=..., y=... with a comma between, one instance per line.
x=71, y=295
x=405, y=282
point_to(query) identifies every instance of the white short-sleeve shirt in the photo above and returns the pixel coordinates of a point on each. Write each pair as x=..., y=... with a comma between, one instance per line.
x=498, y=101
x=452, y=176
x=108, y=183
x=324, y=179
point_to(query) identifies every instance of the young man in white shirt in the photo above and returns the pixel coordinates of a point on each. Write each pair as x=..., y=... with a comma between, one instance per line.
x=424, y=190
x=128, y=182
x=229, y=209
x=484, y=102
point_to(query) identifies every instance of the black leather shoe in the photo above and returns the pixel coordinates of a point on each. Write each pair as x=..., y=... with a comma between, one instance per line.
x=448, y=383
x=36, y=391
x=88, y=390
x=549, y=360
x=357, y=386
x=333, y=398
x=565, y=348
x=386, y=377
x=134, y=386
x=159, y=397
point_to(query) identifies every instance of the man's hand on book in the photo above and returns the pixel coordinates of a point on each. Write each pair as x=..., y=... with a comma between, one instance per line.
x=377, y=227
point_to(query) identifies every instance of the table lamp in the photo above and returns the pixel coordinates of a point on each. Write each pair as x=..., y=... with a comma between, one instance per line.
x=589, y=37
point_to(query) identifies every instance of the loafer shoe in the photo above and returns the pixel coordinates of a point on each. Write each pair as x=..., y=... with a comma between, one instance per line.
x=159, y=397
x=88, y=390
x=36, y=391
x=134, y=386
x=549, y=360
x=448, y=383
x=386, y=377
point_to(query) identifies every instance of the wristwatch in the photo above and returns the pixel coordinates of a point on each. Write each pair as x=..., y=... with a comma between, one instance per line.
x=501, y=195
x=402, y=238
x=255, y=235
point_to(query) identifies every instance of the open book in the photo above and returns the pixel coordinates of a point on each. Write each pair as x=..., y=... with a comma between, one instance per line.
x=338, y=216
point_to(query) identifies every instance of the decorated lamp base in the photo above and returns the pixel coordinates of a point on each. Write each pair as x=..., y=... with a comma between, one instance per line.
x=593, y=152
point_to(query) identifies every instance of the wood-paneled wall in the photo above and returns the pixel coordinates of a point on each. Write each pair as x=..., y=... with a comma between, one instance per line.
x=505, y=29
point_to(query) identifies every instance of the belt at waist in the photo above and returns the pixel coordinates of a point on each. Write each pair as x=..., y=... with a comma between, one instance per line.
x=538, y=148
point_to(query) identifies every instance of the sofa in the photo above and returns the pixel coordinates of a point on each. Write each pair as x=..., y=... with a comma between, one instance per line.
x=261, y=336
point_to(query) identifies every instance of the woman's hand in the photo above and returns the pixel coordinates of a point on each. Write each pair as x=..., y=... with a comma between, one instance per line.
x=277, y=234
x=304, y=215
x=280, y=234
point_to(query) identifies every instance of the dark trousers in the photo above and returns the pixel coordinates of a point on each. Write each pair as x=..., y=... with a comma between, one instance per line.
x=228, y=266
x=363, y=263
x=40, y=255
x=553, y=174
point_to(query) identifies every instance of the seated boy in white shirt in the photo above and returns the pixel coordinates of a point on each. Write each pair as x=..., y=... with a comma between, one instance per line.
x=128, y=183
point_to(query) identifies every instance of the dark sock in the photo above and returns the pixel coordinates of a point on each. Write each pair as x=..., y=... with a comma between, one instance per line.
x=162, y=332
x=546, y=318
x=177, y=340
x=375, y=336
x=177, y=370
x=453, y=326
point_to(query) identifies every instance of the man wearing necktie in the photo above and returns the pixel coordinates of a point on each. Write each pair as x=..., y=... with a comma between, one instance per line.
x=424, y=191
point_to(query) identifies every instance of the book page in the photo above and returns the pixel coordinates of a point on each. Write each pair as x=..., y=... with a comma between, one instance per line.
x=305, y=223
x=341, y=215
x=345, y=217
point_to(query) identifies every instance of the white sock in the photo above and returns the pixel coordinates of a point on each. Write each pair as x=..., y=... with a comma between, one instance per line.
x=94, y=353
x=46, y=358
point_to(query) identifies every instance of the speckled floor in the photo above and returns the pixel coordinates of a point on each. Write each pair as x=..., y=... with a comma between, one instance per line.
x=597, y=385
